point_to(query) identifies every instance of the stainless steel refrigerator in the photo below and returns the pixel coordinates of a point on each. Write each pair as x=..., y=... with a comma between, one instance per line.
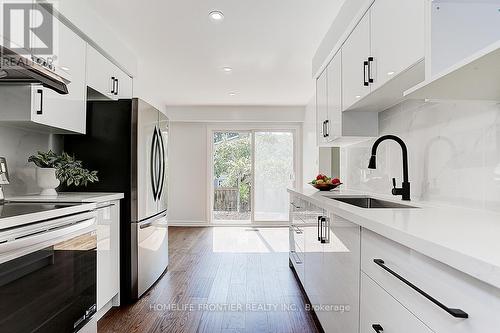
x=127, y=142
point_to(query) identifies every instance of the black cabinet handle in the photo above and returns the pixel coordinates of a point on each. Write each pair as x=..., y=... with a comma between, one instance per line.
x=370, y=60
x=365, y=65
x=40, y=111
x=327, y=132
x=324, y=128
x=116, y=88
x=319, y=228
x=377, y=328
x=325, y=232
x=113, y=82
x=457, y=313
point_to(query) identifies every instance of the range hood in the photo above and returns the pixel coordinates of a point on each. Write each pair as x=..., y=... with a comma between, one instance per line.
x=16, y=68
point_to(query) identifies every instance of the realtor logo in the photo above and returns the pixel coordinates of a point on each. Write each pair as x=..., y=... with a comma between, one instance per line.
x=28, y=28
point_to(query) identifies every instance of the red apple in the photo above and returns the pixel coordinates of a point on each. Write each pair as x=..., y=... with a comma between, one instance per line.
x=335, y=181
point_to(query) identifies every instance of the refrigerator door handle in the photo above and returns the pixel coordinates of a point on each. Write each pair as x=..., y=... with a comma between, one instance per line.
x=162, y=164
x=153, y=164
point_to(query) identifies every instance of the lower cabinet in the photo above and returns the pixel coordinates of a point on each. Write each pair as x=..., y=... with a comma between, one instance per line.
x=381, y=313
x=359, y=281
x=447, y=300
x=328, y=265
x=108, y=253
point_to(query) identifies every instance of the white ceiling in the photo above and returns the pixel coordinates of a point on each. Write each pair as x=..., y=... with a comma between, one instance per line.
x=269, y=44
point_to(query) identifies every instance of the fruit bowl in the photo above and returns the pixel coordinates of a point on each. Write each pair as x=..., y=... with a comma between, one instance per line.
x=326, y=186
x=324, y=183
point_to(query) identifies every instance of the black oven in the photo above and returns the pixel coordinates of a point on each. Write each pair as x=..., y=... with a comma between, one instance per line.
x=48, y=274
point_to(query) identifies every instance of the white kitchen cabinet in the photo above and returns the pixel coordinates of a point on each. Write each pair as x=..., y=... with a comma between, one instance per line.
x=339, y=276
x=453, y=289
x=335, y=127
x=296, y=237
x=123, y=84
x=105, y=79
x=334, y=98
x=355, y=71
x=43, y=108
x=322, y=107
x=108, y=254
x=329, y=264
x=381, y=313
x=383, y=56
x=313, y=256
x=396, y=38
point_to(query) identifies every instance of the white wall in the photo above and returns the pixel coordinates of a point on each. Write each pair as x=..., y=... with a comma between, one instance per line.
x=188, y=173
x=16, y=145
x=454, y=153
x=310, y=151
x=236, y=113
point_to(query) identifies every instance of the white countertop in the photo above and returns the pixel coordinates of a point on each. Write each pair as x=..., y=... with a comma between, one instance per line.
x=69, y=197
x=466, y=239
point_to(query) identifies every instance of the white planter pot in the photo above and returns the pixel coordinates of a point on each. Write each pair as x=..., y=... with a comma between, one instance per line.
x=46, y=179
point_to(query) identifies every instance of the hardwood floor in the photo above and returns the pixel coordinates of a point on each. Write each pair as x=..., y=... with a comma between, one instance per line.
x=221, y=279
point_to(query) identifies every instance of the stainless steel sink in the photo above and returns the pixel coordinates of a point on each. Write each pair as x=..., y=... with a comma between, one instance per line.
x=372, y=203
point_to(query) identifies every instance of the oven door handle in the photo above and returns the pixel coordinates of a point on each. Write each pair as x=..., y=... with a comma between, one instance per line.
x=34, y=240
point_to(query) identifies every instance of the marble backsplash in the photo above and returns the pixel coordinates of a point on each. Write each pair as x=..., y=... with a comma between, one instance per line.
x=454, y=153
x=16, y=145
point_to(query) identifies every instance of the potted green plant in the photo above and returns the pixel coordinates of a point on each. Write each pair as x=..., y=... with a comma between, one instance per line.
x=52, y=169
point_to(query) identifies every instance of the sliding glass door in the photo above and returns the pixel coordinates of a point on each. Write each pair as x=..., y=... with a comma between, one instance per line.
x=232, y=176
x=251, y=172
x=274, y=173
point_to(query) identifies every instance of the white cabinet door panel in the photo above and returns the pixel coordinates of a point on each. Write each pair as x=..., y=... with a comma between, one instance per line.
x=100, y=73
x=339, y=278
x=355, y=52
x=380, y=312
x=334, y=98
x=108, y=252
x=397, y=37
x=452, y=288
x=321, y=105
x=67, y=112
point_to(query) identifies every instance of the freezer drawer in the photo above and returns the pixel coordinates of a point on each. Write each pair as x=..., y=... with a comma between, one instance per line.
x=152, y=251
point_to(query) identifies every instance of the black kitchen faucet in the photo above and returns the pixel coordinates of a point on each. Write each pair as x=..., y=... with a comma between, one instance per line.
x=404, y=191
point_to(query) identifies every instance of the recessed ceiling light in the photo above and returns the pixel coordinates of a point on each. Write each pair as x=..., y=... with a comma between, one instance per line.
x=227, y=69
x=358, y=96
x=232, y=93
x=64, y=68
x=390, y=73
x=216, y=15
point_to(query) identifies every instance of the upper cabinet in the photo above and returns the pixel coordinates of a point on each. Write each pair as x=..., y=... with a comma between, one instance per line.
x=337, y=128
x=43, y=108
x=321, y=107
x=396, y=38
x=356, y=67
x=105, y=79
x=465, y=52
x=386, y=45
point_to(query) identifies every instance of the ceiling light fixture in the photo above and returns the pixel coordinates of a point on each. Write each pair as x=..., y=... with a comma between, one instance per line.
x=232, y=94
x=216, y=16
x=227, y=69
x=358, y=96
x=390, y=73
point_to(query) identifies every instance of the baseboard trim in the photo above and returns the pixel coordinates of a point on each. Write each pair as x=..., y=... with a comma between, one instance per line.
x=181, y=223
